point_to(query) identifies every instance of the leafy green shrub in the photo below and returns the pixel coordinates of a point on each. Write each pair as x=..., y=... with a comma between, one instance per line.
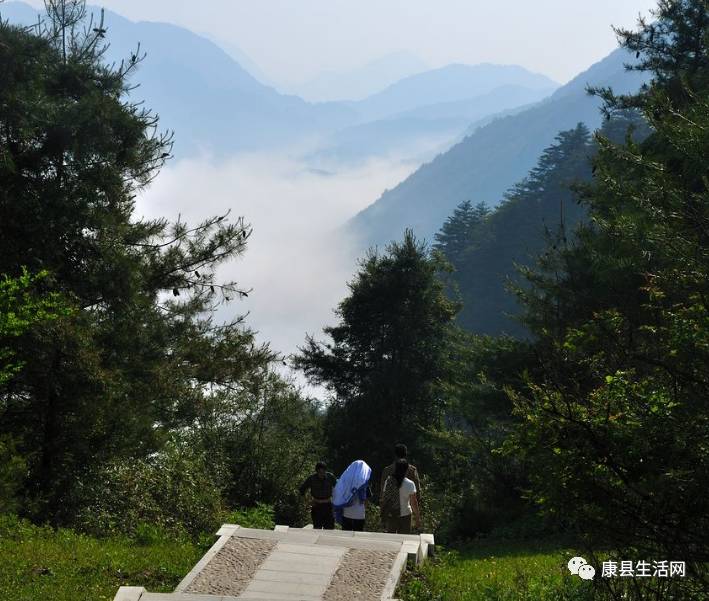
x=14, y=528
x=432, y=504
x=13, y=470
x=292, y=510
x=172, y=492
x=373, y=518
x=261, y=516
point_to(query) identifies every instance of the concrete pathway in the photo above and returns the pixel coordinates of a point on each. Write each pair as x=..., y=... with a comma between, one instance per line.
x=293, y=564
x=304, y=570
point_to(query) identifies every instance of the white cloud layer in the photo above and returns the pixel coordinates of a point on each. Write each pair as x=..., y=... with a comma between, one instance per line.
x=298, y=261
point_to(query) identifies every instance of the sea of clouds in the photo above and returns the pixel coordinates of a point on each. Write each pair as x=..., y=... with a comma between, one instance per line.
x=299, y=258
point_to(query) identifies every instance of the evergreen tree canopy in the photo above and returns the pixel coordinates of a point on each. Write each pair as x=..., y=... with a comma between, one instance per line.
x=458, y=232
x=138, y=353
x=388, y=354
x=616, y=425
x=673, y=46
x=488, y=246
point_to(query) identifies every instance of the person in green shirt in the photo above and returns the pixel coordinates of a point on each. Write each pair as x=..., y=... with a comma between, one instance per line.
x=320, y=484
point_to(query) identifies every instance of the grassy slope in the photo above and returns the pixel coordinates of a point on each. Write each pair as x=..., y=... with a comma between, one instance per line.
x=38, y=564
x=498, y=571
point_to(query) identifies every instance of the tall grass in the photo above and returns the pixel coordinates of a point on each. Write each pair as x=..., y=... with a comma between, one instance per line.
x=42, y=564
x=498, y=571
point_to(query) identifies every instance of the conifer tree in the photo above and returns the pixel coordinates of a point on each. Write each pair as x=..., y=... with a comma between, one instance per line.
x=616, y=427
x=457, y=234
x=387, y=356
x=138, y=353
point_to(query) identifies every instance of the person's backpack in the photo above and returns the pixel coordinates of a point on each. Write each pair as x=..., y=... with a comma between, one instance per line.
x=389, y=503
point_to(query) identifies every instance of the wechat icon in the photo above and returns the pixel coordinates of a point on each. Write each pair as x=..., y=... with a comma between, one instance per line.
x=581, y=568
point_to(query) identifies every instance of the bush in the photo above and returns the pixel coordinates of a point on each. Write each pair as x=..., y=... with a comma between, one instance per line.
x=261, y=516
x=291, y=510
x=432, y=505
x=373, y=519
x=13, y=471
x=169, y=494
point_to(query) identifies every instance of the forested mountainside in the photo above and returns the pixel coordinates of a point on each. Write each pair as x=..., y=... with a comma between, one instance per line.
x=489, y=161
x=488, y=248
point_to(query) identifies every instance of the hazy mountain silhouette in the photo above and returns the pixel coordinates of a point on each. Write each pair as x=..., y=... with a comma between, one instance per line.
x=491, y=159
x=216, y=105
x=244, y=60
x=446, y=85
x=357, y=84
x=201, y=92
x=423, y=131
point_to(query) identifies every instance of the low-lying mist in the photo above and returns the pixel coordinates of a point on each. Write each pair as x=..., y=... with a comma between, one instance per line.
x=298, y=260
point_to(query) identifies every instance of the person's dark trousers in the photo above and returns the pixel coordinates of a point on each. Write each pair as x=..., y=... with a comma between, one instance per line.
x=322, y=516
x=399, y=525
x=350, y=524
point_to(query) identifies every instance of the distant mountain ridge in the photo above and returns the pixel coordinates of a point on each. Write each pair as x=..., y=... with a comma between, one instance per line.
x=491, y=159
x=201, y=92
x=451, y=83
x=425, y=129
x=359, y=83
x=217, y=107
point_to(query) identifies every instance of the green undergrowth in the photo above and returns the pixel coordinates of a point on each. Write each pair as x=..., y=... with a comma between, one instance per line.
x=261, y=516
x=38, y=563
x=498, y=571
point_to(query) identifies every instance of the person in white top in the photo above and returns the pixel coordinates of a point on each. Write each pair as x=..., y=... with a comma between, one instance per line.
x=408, y=501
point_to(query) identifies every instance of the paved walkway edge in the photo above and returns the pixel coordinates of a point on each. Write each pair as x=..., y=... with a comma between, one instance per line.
x=129, y=593
x=224, y=533
x=413, y=549
x=395, y=575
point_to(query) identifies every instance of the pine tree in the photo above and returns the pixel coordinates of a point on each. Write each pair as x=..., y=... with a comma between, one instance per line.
x=514, y=233
x=138, y=353
x=387, y=355
x=673, y=46
x=616, y=426
x=458, y=233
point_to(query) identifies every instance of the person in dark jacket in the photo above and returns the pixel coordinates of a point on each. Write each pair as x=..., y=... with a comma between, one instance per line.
x=401, y=452
x=320, y=485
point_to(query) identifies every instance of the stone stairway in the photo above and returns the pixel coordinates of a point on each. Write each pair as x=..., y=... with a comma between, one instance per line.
x=296, y=564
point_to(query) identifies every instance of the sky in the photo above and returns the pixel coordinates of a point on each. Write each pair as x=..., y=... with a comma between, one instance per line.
x=293, y=40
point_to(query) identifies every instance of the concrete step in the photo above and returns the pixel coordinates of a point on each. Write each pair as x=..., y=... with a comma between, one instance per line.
x=359, y=543
x=301, y=565
x=287, y=589
x=349, y=534
x=251, y=597
x=375, y=541
x=292, y=577
x=276, y=597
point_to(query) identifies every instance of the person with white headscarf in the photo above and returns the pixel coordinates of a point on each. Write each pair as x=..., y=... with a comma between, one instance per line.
x=350, y=496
